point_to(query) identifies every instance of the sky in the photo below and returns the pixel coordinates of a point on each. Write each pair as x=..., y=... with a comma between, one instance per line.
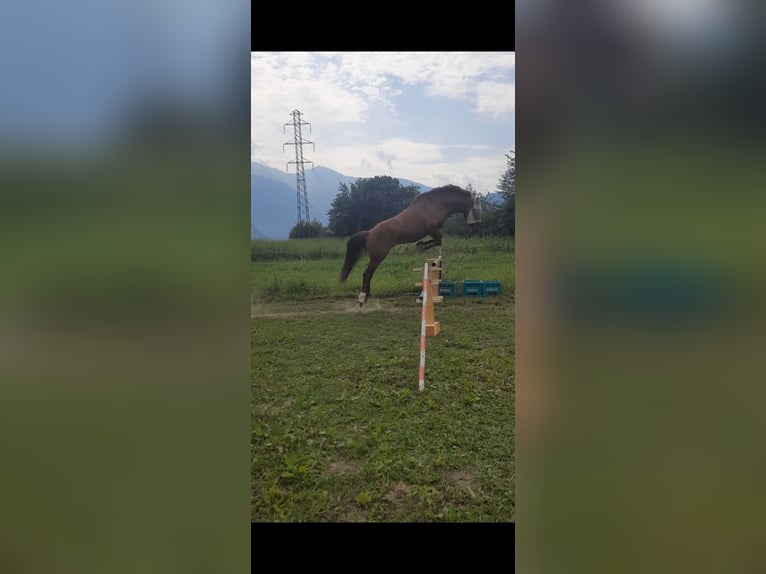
x=436, y=118
x=99, y=62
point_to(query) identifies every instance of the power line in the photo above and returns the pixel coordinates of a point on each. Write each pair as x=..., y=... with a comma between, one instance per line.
x=300, y=176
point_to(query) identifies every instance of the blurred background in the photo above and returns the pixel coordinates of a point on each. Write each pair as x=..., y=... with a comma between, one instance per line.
x=640, y=286
x=124, y=303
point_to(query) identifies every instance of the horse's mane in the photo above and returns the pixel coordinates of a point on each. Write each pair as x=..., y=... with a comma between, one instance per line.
x=445, y=189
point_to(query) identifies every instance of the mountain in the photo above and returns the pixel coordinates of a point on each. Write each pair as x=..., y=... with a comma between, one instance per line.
x=494, y=198
x=274, y=201
x=256, y=233
x=273, y=208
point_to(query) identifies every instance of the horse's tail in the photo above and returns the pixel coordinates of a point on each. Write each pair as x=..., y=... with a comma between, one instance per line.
x=355, y=248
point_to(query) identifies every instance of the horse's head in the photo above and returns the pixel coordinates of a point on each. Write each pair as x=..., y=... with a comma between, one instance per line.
x=473, y=214
x=451, y=199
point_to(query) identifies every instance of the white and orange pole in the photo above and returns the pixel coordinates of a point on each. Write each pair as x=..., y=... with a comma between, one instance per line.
x=422, y=374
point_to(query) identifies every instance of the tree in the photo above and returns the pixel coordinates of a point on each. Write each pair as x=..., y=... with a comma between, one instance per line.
x=366, y=202
x=507, y=188
x=491, y=223
x=313, y=229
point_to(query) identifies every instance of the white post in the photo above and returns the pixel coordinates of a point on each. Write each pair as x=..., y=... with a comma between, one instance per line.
x=422, y=378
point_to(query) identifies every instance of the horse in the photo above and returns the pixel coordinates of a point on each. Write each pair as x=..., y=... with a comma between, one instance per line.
x=424, y=216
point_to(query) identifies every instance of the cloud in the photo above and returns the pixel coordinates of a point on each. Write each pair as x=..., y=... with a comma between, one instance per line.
x=454, y=75
x=495, y=98
x=281, y=83
x=397, y=155
x=353, y=97
x=418, y=161
x=345, y=83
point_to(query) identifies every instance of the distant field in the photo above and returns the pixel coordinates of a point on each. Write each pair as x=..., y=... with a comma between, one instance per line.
x=340, y=431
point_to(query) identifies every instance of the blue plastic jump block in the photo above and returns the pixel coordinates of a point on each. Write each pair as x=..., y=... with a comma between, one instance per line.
x=471, y=287
x=492, y=288
x=448, y=288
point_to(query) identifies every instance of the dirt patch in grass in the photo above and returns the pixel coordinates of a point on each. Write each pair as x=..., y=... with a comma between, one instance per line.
x=462, y=480
x=398, y=494
x=462, y=487
x=355, y=515
x=324, y=307
x=339, y=467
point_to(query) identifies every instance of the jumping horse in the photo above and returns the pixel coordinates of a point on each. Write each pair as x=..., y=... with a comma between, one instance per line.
x=424, y=216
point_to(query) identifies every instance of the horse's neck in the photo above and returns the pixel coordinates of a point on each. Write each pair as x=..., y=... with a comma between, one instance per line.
x=456, y=206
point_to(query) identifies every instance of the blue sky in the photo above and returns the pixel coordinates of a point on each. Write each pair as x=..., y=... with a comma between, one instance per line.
x=74, y=72
x=432, y=117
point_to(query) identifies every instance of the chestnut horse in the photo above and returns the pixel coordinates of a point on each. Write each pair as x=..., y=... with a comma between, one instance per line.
x=424, y=216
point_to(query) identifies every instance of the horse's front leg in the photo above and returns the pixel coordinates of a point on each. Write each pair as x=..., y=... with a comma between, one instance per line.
x=431, y=243
x=423, y=245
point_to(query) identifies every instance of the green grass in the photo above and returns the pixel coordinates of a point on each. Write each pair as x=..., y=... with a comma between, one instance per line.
x=340, y=431
x=308, y=269
x=328, y=248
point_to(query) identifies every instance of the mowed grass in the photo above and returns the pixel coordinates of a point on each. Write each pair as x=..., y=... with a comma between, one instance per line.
x=341, y=432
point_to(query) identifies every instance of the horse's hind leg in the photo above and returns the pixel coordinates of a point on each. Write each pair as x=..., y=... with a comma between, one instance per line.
x=366, y=279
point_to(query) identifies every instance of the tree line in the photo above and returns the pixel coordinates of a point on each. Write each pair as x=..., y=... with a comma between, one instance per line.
x=368, y=201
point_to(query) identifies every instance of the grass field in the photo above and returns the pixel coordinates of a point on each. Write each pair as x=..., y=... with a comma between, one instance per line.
x=340, y=431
